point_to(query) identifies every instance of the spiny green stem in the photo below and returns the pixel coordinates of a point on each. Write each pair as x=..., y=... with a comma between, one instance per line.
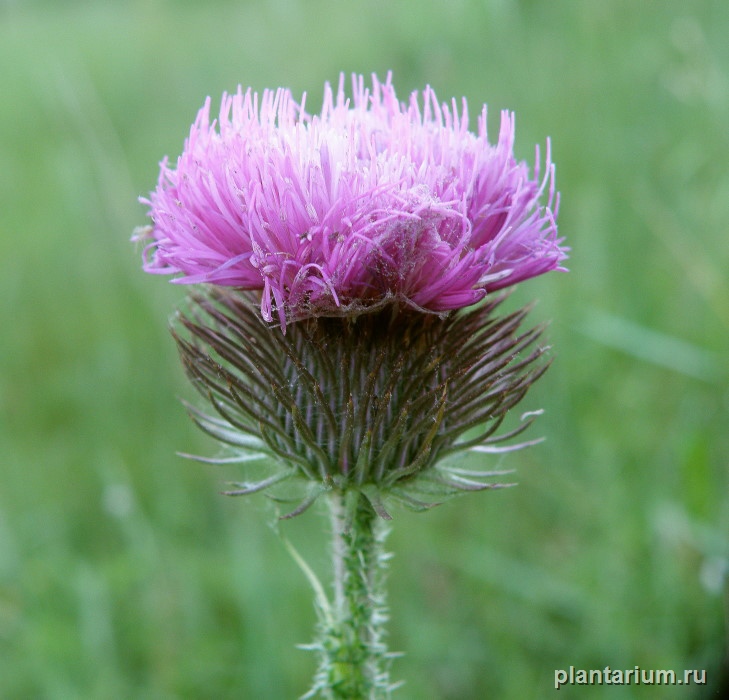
x=355, y=662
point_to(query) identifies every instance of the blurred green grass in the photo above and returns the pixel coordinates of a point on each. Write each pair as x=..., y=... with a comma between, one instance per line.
x=122, y=572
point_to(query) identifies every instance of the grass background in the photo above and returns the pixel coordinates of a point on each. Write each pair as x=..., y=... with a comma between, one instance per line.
x=124, y=575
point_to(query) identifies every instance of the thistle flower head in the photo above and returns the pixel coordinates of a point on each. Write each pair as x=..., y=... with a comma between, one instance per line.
x=359, y=229
x=370, y=201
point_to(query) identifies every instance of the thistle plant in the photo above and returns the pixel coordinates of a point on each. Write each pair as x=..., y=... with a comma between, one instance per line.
x=345, y=327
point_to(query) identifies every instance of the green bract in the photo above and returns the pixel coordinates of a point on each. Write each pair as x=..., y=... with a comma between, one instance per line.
x=373, y=403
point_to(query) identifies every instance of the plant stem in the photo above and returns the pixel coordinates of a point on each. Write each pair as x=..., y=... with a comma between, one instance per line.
x=355, y=660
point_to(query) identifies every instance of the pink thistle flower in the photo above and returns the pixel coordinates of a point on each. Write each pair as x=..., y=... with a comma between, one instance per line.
x=371, y=201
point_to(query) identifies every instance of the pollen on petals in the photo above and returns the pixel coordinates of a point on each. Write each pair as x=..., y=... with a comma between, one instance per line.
x=370, y=200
